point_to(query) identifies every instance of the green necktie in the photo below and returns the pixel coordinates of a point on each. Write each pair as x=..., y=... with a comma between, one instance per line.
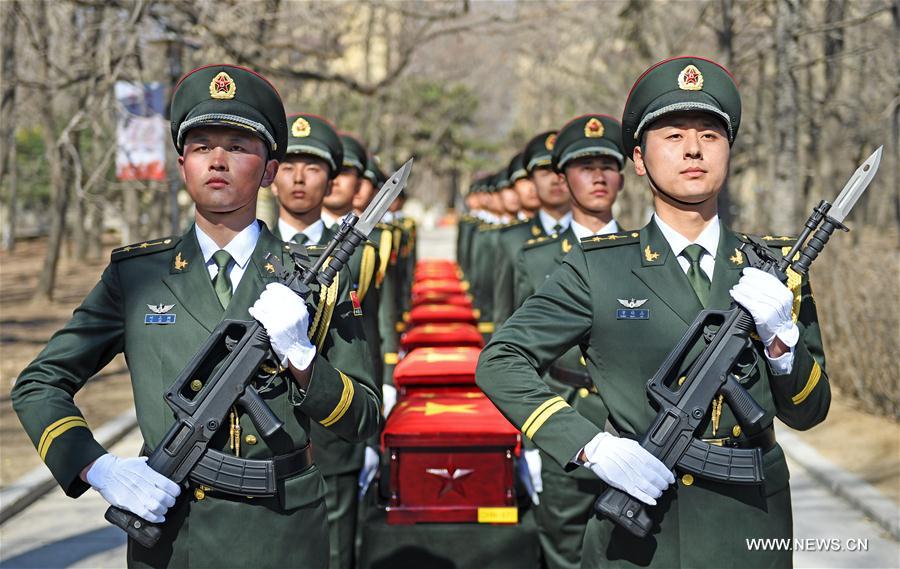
x=698, y=279
x=221, y=282
x=300, y=239
x=557, y=228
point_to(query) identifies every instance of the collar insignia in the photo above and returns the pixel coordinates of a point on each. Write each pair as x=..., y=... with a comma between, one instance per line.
x=650, y=255
x=737, y=258
x=535, y=230
x=270, y=268
x=301, y=128
x=180, y=263
x=566, y=246
x=632, y=303
x=690, y=79
x=222, y=86
x=593, y=128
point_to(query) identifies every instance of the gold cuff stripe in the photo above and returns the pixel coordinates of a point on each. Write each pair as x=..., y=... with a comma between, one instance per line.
x=384, y=252
x=539, y=422
x=534, y=415
x=366, y=270
x=391, y=358
x=56, y=429
x=811, y=383
x=343, y=404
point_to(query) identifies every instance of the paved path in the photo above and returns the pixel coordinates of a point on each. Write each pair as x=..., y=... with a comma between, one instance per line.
x=57, y=531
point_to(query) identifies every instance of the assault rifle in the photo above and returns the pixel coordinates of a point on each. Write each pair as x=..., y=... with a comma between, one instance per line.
x=223, y=372
x=684, y=399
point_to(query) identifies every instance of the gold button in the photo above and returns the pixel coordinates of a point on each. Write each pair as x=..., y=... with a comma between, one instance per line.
x=736, y=430
x=583, y=392
x=681, y=379
x=196, y=385
x=250, y=439
x=687, y=479
x=581, y=360
x=199, y=494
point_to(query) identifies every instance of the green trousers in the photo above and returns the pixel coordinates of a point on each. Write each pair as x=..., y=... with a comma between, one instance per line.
x=342, y=502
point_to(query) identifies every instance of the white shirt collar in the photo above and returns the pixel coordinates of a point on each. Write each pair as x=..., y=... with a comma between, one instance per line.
x=240, y=247
x=708, y=238
x=313, y=232
x=388, y=217
x=581, y=231
x=548, y=223
x=330, y=220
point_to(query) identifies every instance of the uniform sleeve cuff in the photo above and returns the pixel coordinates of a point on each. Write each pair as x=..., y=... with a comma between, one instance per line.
x=783, y=364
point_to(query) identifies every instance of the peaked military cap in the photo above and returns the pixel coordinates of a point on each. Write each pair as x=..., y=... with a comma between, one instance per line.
x=501, y=180
x=538, y=151
x=232, y=96
x=374, y=172
x=676, y=85
x=516, y=169
x=355, y=155
x=588, y=135
x=313, y=135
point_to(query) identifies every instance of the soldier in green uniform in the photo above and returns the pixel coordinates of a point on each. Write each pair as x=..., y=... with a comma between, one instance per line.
x=407, y=254
x=468, y=225
x=484, y=247
x=552, y=218
x=588, y=152
x=228, y=125
x=678, y=125
x=524, y=187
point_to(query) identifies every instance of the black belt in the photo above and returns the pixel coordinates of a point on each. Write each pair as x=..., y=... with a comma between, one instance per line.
x=249, y=477
x=764, y=440
x=573, y=378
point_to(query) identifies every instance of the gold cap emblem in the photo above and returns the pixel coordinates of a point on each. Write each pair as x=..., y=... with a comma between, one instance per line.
x=301, y=128
x=222, y=86
x=593, y=129
x=690, y=79
x=550, y=142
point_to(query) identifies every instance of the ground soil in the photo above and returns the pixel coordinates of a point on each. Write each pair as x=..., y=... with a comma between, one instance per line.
x=861, y=442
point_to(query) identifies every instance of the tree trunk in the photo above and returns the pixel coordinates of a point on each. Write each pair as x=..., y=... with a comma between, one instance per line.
x=785, y=190
x=725, y=36
x=12, y=182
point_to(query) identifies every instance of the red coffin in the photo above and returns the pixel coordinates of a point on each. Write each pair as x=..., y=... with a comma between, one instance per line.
x=447, y=286
x=432, y=368
x=443, y=334
x=455, y=299
x=451, y=460
x=448, y=273
x=432, y=313
x=436, y=263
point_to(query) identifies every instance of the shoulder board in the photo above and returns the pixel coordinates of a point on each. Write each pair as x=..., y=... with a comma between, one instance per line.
x=778, y=241
x=385, y=226
x=314, y=250
x=490, y=227
x=539, y=241
x=144, y=248
x=611, y=240
x=514, y=224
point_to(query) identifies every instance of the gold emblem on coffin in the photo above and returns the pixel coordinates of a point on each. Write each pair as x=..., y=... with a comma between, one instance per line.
x=690, y=79
x=222, y=86
x=593, y=128
x=301, y=128
x=433, y=408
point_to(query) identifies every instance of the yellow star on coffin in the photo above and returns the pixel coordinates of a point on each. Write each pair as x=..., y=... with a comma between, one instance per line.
x=432, y=408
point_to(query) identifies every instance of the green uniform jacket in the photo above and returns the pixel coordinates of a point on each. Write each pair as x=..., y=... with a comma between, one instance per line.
x=509, y=242
x=111, y=320
x=539, y=258
x=466, y=229
x=577, y=306
x=484, y=250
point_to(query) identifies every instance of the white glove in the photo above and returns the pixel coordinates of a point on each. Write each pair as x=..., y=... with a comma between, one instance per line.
x=533, y=459
x=388, y=398
x=371, y=461
x=769, y=301
x=130, y=484
x=284, y=316
x=626, y=465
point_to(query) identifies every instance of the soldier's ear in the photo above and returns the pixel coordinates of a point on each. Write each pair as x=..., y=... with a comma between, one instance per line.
x=638, y=156
x=269, y=173
x=328, y=187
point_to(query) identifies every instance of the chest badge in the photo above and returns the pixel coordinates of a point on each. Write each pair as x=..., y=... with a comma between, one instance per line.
x=632, y=310
x=159, y=314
